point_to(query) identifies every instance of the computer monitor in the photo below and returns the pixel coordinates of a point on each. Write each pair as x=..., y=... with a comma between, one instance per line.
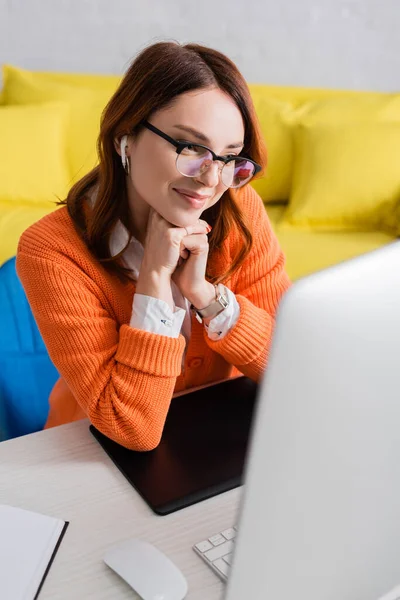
x=320, y=517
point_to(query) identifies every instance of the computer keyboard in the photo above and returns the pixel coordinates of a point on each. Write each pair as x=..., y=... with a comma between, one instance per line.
x=217, y=550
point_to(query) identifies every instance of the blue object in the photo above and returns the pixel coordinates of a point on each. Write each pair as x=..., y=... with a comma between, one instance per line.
x=27, y=374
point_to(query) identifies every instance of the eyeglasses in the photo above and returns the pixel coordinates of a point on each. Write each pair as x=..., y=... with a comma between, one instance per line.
x=194, y=159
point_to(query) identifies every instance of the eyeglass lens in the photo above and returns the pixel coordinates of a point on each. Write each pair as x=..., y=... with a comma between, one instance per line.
x=195, y=160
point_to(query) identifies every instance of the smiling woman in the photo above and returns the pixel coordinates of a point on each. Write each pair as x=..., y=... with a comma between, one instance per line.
x=160, y=272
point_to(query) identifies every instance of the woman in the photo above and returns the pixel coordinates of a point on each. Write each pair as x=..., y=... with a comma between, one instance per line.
x=161, y=272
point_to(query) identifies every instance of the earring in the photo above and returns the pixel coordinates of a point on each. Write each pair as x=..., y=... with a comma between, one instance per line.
x=124, y=157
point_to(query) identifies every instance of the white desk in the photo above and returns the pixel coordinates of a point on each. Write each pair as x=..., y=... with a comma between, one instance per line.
x=63, y=472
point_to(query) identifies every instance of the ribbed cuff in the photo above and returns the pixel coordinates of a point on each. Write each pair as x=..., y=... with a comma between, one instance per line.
x=245, y=342
x=150, y=352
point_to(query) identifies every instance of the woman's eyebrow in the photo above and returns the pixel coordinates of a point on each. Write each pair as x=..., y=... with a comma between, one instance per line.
x=203, y=137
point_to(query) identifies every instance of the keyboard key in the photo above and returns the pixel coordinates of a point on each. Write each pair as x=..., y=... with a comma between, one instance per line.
x=219, y=551
x=216, y=540
x=204, y=546
x=229, y=534
x=222, y=566
x=228, y=558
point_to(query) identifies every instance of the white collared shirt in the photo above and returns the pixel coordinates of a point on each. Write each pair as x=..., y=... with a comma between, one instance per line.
x=155, y=315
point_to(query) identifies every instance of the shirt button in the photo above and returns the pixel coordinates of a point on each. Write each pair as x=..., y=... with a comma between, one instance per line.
x=195, y=362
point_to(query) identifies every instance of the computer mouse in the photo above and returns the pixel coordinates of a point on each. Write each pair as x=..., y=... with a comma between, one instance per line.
x=147, y=570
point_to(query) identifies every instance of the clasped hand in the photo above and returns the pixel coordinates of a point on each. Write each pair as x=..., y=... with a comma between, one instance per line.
x=179, y=254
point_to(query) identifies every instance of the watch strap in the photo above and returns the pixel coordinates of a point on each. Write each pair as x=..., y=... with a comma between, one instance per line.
x=216, y=307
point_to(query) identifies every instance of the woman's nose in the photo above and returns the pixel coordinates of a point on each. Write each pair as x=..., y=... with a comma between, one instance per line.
x=211, y=176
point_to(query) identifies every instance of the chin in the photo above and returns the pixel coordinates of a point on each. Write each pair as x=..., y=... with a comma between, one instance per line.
x=183, y=220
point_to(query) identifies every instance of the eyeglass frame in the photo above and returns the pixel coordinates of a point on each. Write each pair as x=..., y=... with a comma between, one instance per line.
x=180, y=146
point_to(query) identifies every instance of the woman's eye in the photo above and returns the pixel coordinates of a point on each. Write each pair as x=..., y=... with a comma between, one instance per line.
x=191, y=149
x=188, y=147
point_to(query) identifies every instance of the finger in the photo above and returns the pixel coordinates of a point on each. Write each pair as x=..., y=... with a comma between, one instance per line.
x=184, y=253
x=178, y=234
x=208, y=226
x=202, y=227
x=203, y=222
x=196, y=244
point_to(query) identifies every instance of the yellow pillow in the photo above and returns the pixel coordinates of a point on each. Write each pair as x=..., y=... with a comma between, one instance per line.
x=275, y=110
x=299, y=95
x=86, y=106
x=14, y=219
x=87, y=80
x=275, y=183
x=357, y=107
x=33, y=165
x=346, y=176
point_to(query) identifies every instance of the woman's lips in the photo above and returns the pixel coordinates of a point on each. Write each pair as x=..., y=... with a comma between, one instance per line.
x=195, y=200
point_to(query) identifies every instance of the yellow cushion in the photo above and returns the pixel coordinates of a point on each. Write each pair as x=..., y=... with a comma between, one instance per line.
x=310, y=251
x=86, y=106
x=88, y=80
x=14, y=219
x=33, y=164
x=346, y=176
x=275, y=109
x=275, y=183
x=371, y=106
x=299, y=95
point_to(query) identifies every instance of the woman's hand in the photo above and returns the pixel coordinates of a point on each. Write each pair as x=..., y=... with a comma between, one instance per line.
x=190, y=273
x=164, y=246
x=165, y=243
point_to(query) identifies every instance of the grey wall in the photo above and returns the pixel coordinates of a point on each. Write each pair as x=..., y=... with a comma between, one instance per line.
x=330, y=43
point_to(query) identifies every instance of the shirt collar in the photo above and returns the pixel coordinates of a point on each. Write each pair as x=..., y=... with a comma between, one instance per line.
x=118, y=239
x=133, y=254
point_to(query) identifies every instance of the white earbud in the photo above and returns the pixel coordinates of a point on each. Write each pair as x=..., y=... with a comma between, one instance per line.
x=124, y=141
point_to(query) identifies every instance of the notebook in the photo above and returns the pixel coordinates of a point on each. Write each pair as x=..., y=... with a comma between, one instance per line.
x=28, y=544
x=202, y=450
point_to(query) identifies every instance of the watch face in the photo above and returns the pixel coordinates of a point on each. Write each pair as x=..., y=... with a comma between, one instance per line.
x=216, y=307
x=222, y=296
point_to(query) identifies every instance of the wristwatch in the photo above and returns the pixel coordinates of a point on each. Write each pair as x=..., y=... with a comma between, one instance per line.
x=219, y=304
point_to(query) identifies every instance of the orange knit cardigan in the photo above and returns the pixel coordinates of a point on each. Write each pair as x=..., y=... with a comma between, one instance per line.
x=123, y=378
